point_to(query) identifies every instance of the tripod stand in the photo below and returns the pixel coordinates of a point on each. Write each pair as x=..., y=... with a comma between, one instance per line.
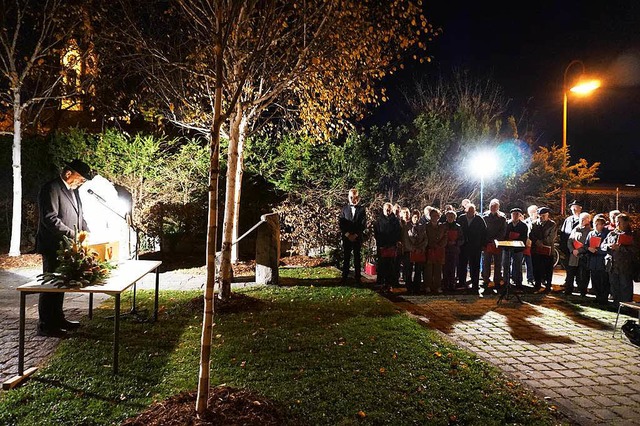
x=507, y=252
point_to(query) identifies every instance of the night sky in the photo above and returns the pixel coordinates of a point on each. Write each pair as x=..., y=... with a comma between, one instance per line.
x=526, y=46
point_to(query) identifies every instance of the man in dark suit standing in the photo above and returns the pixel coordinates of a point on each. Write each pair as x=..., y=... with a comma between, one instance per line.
x=353, y=221
x=60, y=214
x=474, y=230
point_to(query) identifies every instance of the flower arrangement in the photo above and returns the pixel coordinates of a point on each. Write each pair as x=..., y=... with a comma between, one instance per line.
x=79, y=265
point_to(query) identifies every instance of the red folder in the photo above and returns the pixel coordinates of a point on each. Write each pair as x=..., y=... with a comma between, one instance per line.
x=577, y=244
x=491, y=249
x=625, y=239
x=418, y=256
x=594, y=242
x=544, y=250
x=388, y=252
x=452, y=235
x=514, y=235
x=527, y=251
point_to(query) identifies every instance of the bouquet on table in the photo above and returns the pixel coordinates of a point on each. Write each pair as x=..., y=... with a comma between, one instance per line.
x=79, y=266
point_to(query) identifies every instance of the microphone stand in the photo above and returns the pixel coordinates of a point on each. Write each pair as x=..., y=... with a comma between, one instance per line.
x=129, y=222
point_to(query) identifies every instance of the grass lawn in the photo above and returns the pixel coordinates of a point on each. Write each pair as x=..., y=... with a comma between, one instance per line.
x=327, y=355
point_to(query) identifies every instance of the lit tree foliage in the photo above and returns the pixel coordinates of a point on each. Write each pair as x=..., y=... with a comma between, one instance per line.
x=244, y=62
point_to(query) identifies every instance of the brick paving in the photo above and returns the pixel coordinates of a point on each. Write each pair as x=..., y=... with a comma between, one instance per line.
x=564, y=352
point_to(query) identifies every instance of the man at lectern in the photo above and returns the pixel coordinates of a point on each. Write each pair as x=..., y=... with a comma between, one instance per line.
x=60, y=214
x=516, y=230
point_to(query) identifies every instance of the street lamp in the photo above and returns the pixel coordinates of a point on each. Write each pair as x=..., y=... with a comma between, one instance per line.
x=483, y=165
x=584, y=87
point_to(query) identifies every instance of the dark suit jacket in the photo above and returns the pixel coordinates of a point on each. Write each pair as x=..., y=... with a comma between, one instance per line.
x=355, y=224
x=60, y=210
x=475, y=233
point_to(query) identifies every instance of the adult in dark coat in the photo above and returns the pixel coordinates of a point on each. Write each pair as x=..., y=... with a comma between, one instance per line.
x=542, y=236
x=387, y=233
x=353, y=221
x=512, y=263
x=565, y=230
x=60, y=214
x=474, y=230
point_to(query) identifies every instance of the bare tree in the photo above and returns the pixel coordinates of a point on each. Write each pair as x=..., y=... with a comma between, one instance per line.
x=31, y=40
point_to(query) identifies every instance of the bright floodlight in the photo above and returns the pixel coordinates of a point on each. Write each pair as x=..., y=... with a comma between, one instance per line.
x=484, y=164
x=586, y=87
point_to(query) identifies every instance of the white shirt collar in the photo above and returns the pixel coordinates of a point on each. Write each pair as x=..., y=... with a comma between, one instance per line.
x=66, y=184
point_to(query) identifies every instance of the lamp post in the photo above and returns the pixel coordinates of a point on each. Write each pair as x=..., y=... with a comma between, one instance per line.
x=584, y=87
x=484, y=165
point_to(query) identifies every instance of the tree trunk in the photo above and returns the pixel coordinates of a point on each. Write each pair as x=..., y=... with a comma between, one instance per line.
x=229, y=204
x=212, y=232
x=16, y=219
x=238, y=191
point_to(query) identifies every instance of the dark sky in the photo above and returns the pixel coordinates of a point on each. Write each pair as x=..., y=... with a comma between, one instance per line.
x=526, y=46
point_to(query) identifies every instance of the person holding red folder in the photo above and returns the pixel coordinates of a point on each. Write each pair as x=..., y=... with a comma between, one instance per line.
x=387, y=233
x=516, y=230
x=577, y=267
x=417, y=240
x=455, y=240
x=595, y=260
x=436, y=243
x=543, y=235
x=621, y=260
x=492, y=256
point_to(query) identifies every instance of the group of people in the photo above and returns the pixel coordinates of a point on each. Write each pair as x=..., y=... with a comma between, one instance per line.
x=434, y=251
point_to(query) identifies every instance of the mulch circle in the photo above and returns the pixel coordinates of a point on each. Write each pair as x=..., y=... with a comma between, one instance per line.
x=226, y=406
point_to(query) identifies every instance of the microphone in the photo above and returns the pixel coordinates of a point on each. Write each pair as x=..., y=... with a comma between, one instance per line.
x=102, y=200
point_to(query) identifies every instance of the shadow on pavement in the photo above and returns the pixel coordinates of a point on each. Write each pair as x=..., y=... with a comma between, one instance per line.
x=521, y=321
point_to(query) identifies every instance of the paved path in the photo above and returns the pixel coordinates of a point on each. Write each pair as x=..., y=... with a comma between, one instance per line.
x=565, y=353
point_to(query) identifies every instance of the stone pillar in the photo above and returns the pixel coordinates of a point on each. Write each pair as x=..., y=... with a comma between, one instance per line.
x=268, y=250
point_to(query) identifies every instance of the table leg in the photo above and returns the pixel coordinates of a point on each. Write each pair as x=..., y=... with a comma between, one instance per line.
x=155, y=306
x=21, y=334
x=116, y=333
x=90, y=305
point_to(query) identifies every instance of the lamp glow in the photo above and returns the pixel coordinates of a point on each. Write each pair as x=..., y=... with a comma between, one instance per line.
x=483, y=164
x=586, y=87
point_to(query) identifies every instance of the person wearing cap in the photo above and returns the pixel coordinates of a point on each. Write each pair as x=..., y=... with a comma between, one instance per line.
x=516, y=230
x=542, y=235
x=578, y=268
x=565, y=230
x=60, y=214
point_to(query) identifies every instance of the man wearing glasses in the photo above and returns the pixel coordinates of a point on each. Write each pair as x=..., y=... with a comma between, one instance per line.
x=60, y=214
